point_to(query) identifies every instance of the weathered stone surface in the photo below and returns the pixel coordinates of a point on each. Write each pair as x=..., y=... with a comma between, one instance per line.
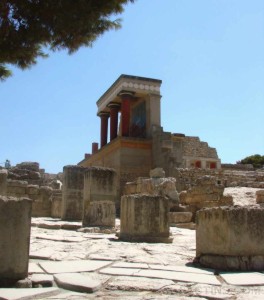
x=100, y=213
x=28, y=294
x=231, y=231
x=154, y=186
x=260, y=196
x=34, y=268
x=229, y=262
x=126, y=283
x=157, y=173
x=100, y=196
x=72, y=193
x=73, y=266
x=144, y=218
x=77, y=283
x=56, y=204
x=32, y=189
x=3, y=182
x=23, y=283
x=180, y=217
x=248, y=278
x=15, y=217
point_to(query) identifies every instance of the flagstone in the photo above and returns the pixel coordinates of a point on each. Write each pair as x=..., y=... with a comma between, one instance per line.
x=179, y=276
x=77, y=282
x=73, y=266
x=34, y=268
x=130, y=265
x=185, y=269
x=28, y=294
x=119, y=271
x=126, y=283
x=243, y=278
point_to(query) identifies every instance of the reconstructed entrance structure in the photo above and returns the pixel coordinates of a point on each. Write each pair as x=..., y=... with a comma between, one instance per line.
x=137, y=142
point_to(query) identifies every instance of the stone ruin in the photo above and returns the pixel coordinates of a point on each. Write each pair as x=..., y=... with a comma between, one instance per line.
x=231, y=238
x=206, y=192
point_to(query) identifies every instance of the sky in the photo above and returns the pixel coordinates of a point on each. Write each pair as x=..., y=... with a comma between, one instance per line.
x=209, y=55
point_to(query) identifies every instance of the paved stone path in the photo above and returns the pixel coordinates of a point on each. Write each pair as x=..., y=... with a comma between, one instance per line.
x=89, y=264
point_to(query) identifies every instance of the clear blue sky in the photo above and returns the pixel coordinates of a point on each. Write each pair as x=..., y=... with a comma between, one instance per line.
x=208, y=53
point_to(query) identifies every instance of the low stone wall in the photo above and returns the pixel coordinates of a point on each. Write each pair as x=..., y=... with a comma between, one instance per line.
x=3, y=182
x=43, y=200
x=231, y=238
x=185, y=178
x=15, y=223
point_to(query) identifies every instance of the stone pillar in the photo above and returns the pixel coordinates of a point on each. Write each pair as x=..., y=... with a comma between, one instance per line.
x=104, y=127
x=231, y=238
x=145, y=218
x=3, y=182
x=114, y=108
x=100, y=192
x=15, y=223
x=94, y=147
x=72, y=193
x=125, y=111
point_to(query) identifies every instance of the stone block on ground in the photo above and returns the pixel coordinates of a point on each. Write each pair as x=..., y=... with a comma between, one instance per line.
x=157, y=173
x=15, y=223
x=100, y=213
x=145, y=218
x=77, y=282
x=231, y=236
x=180, y=217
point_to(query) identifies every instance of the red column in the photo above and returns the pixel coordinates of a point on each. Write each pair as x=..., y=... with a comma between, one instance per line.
x=114, y=108
x=125, y=111
x=104, y=127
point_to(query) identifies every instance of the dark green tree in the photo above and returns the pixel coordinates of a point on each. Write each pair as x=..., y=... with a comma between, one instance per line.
x=256, y=160
x=28, y=26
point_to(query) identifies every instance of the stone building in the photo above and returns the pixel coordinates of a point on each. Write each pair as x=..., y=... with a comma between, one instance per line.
x=137, y=141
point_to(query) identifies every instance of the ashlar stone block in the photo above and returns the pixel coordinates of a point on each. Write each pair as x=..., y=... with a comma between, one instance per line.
x=231, y=238
x=15, y=222
x=145, y=218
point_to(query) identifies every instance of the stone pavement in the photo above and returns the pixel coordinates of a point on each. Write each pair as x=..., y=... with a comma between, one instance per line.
x=74, y=263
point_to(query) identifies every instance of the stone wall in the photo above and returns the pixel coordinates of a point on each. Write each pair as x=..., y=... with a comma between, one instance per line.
x=185, y=178
x=43, y=197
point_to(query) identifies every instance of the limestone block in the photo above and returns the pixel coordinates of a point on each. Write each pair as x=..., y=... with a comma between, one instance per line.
x=15, y=223
x=260, y=196
x=130, y=188
x=144, y=218
x=100, y=213
x=28, y=165
x=32, y=189
x=3, y=182
x=180, y=217
x=72, y=192
x=100, y=195
x=230, y=231
x=157, y=173
x=16, y=187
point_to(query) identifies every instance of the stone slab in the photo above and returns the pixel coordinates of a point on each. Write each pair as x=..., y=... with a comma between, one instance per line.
x=34, y=268
x=57, y=238
x=162, y=274
x=77, y=282
x=243, y=278
x=179, y=276
x=185, y=269
x=45, y=253
x=28, y=294
x=73, y=266
x=119, y=271
x=126, y=283
x=130, y=265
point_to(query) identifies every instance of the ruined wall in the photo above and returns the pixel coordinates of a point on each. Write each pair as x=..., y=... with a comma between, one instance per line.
x=185, y=178
x=172, y=150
